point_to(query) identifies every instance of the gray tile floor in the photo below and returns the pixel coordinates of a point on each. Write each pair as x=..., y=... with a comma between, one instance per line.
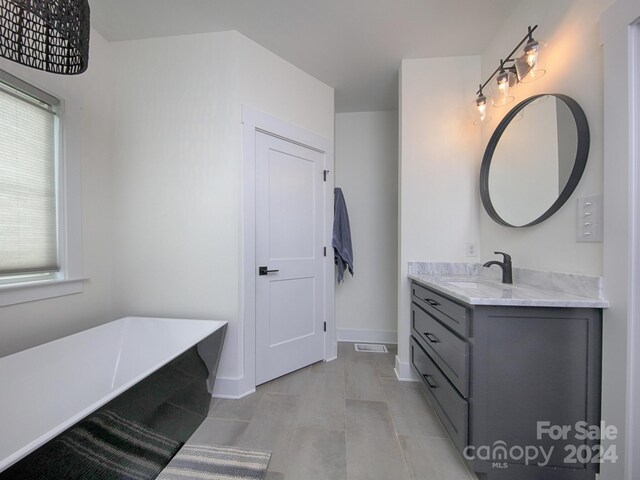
x=346, y=419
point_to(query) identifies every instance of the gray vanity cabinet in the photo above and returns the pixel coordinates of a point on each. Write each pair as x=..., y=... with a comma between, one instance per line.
x=493, y=372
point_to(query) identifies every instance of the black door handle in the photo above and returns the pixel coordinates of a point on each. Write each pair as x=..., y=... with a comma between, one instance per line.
x=265, y=271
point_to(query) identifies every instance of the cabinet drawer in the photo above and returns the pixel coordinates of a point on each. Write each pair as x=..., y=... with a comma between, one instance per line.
x=453, y=315
x=452, y=409
x=447, y=350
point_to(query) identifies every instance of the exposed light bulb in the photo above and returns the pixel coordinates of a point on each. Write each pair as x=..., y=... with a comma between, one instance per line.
x=531, y=53
x=481, y=102
x=528, y=65
x=481, y=112
x=503, y=82
x=500, y=96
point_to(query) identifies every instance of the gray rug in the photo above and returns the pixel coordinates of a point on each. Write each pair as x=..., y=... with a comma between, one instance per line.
x=200, y=462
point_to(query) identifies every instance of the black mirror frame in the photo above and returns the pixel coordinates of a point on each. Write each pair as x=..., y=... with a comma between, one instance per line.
x=579, y=165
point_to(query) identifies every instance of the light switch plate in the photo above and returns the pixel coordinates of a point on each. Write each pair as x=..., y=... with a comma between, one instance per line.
x=590, y=225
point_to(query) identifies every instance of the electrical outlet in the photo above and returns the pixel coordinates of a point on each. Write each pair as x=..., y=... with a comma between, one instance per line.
x=472, y=250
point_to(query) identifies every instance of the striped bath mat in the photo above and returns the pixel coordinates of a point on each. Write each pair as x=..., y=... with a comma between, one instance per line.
x=105, y=446
x=216, y=463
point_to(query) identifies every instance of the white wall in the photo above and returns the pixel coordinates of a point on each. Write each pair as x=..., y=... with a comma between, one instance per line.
x=574, y=67
x=367, y=171
x=439, y=168
x=87, y=123
x=178, y=170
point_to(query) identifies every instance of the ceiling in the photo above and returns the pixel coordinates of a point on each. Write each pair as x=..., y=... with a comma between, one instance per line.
x=353, y=45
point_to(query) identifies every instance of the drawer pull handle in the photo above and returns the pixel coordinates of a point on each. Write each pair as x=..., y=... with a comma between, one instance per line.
x=431, y=302
x=431, y=337
x=431, y=383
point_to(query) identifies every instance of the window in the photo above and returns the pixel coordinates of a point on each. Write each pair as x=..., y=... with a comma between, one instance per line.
x=32, y=233
x=28, y=210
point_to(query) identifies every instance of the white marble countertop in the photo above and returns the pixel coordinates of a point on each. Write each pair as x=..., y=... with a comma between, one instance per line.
x=480, y=290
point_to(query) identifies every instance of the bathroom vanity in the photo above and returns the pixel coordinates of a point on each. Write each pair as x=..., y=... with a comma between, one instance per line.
x=505, y=367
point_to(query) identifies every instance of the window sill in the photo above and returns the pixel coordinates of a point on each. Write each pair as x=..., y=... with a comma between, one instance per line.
x=14, y=293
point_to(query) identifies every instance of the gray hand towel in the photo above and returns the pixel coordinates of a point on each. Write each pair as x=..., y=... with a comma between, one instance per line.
x=343, y=251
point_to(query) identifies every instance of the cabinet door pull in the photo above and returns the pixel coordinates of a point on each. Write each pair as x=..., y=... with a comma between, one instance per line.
x=431, y=337
x=431, y=383
x=431, y=302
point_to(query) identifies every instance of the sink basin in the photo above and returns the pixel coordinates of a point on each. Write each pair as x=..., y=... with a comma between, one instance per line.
x=469, y=285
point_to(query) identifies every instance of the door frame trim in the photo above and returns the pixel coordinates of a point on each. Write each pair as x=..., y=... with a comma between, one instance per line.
x=620, y=38
x=256, y=121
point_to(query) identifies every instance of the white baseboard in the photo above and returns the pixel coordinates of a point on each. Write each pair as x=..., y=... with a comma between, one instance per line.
x=235, y=388
x=232, y=388
x=367, y=336
x=404, y=372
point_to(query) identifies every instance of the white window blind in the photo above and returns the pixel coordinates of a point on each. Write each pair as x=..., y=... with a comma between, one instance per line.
x=28, y=218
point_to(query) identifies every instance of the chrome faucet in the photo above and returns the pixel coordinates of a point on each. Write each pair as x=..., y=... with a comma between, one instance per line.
x=507, y=273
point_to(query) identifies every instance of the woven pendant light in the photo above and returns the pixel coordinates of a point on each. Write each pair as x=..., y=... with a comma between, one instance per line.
x=50, y=35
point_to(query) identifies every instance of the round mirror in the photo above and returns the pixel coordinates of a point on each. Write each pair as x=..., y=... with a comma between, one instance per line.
x=534, y=160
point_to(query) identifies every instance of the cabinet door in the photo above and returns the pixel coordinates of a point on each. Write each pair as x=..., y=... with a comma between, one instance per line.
x=535, y=365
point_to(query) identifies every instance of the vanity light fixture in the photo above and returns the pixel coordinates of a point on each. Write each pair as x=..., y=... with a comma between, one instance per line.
x=511, y=70
x=49, y=35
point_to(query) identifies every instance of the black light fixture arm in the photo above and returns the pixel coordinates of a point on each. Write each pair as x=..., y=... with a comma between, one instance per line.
x=527, y=38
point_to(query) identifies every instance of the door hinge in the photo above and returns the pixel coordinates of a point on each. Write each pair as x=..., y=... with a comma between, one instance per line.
x=325, y=326
x=324, y=174
x=325, y=251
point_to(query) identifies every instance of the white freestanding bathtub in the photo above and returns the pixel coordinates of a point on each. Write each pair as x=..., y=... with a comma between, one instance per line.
x=47, y=389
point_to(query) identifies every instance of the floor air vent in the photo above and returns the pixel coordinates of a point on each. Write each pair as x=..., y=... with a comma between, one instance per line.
x=371, y=348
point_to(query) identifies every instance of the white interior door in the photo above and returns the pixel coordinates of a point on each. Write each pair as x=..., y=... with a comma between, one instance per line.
x=289, y=245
